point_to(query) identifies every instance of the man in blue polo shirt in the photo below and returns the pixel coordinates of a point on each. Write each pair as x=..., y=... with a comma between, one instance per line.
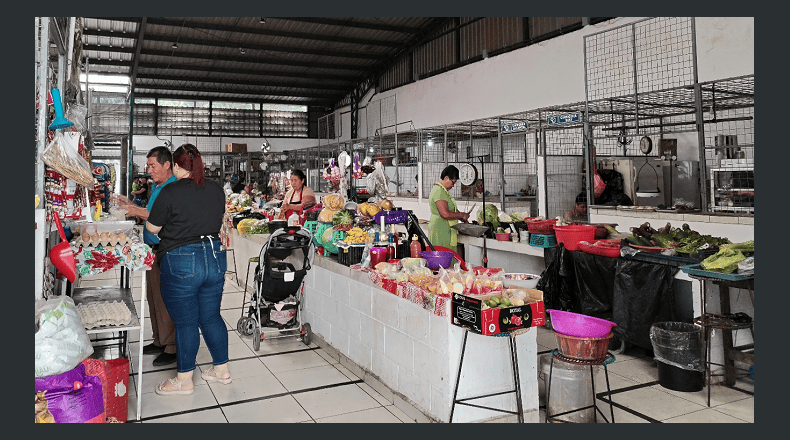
x=160, y=167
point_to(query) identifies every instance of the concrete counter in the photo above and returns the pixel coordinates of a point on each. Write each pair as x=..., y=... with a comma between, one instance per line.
x=405, y=352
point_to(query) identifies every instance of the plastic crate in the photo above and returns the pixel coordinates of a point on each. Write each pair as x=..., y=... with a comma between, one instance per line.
x=541, y=227
x=311, y=226
x=697, y=270
x=350, y=254
x=669, y=260
x=391, y=217
x=605, y=251
x=542, y=240
x=331, y=247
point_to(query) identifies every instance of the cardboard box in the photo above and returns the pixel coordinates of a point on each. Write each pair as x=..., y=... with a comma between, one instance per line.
x=235, y=148
x=467, y=311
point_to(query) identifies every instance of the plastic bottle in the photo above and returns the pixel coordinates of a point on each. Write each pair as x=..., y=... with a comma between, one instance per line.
x=415, y=247
x=391, y=248
x=293, y=220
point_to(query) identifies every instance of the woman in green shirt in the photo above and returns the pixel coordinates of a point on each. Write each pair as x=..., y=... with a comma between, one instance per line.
x=444, y=212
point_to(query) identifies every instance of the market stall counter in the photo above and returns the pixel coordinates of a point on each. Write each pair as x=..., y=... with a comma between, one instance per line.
x=410, y=347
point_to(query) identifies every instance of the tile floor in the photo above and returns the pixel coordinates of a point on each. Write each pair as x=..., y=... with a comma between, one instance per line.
x=287, y=381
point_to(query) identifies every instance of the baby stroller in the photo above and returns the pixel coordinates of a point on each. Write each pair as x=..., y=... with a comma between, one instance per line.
x=284, y=261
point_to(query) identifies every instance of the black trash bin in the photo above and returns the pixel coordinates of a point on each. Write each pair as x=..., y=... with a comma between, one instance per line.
x=679, y=348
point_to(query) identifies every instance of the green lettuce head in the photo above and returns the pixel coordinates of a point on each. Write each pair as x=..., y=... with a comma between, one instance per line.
x=491, y=215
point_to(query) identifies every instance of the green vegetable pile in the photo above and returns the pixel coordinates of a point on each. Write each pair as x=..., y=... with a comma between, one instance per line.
x=259, y=229
x=728, y=257
x=683, y=240
x=491, y=216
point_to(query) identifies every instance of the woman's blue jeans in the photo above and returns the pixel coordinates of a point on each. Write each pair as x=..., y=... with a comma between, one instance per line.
x=192, y=279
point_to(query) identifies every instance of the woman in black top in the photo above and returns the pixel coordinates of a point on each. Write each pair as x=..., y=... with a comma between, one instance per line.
x=187, y=216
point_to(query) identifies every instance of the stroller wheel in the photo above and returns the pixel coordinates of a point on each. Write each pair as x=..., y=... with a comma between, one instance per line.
x=256, y=336
x=240, y=325
x=245, y=326
x=307, y=334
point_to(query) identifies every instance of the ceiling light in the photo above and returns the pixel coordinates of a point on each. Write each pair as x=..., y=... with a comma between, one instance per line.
x=174, y=46
x=242, y=50
x=262, y=20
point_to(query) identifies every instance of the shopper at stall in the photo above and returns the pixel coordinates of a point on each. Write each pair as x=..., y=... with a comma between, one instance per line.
x=298, y=198
x=187, y=216
x=137, y=191
x=159, y=166
x=444, y=212
x=238, y=183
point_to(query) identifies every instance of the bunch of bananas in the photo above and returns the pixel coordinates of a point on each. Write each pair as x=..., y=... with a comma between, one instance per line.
x=356, y=235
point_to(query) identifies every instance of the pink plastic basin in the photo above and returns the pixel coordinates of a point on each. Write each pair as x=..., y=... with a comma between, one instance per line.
x=578, y=325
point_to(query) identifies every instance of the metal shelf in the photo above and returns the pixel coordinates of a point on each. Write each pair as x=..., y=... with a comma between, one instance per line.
x=88, y=295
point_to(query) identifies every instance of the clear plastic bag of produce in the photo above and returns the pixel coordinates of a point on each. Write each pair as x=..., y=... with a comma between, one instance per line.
x=412, y=263
x=451, y=281
x=61, y=340
x=387, y=269
x=746, y=266
x=63, y=156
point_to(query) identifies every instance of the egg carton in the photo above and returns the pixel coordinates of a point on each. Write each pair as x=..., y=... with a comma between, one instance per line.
x=112, y=239
x=105, y=313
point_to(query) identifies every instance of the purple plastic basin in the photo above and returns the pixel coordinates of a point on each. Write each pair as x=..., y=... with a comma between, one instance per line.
x=578, y=325
x=437, y=259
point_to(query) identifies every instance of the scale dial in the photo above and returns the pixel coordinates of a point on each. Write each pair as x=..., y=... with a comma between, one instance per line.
x=645, y=145
x=467, y=174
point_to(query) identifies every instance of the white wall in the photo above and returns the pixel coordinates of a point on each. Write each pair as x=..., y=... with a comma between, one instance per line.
x=725, y=47
x=548, y=73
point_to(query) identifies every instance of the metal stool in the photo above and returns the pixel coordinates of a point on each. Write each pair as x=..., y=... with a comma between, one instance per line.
x=234, y=272
x=514, y=362
x=246, y=282
x=608, y=359
x=712, y=322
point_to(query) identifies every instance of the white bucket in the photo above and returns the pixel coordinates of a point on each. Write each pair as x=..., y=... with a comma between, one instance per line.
x=570, y=389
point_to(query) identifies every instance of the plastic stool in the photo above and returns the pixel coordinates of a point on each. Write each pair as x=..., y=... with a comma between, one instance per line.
x=608, y=359
x=514, y=362
x=234, y=272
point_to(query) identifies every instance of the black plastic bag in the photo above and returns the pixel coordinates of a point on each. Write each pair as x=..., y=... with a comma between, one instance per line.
x=557, y=281
x=594, y=280
x=642, y=296
x=578, y=282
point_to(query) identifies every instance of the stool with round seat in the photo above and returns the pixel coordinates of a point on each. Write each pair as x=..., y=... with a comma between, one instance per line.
x=255, y=260
x=608, y=359
x=234, y=271
x=514, y=363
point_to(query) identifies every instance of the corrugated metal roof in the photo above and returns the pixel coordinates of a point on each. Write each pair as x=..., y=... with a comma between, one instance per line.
x=314, y=61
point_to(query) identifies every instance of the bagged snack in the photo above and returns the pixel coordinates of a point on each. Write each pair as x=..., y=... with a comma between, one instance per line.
x=62, y=155
x=73, y=396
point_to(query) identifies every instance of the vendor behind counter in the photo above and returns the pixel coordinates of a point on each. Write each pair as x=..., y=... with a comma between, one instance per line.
x=444, y=211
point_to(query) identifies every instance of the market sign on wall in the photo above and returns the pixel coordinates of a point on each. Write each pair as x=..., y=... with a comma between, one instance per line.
x=567, y=118
x=514, y=127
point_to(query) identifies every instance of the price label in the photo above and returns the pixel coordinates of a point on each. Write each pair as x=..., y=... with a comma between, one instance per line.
x=563, y=119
